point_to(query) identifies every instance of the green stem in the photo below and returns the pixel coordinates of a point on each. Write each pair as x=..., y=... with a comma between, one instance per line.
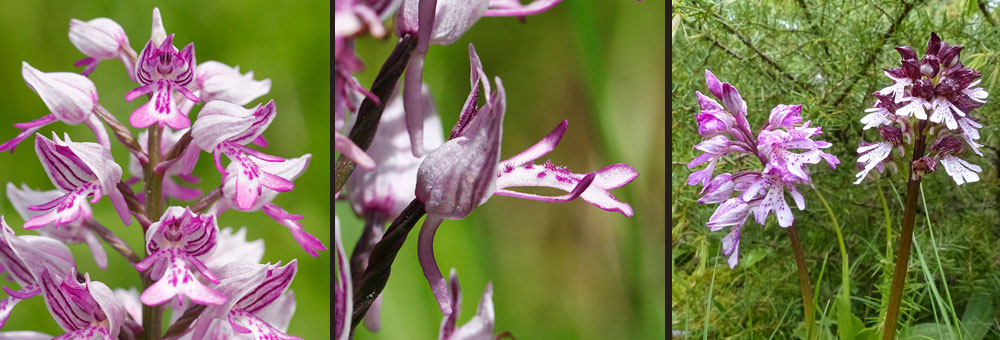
x=905, y=239
x=800, y=262
x=845, y=273
x=888, y=221
x=152, y=315
x=711, y=287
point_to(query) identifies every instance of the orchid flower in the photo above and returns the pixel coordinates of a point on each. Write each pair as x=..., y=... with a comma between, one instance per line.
x=442, y=22
x=480, y=326
x=784, y=146
x=250, y=289
x=70, y=98
x=226, y=128
x=101, y=39
x=180, y=238
x=290, y=169
x=84, y=310
x=938, y=91
x=160, y=70
x=25, y=258
x=450, y=190
x=80, y=170
x=72, y=233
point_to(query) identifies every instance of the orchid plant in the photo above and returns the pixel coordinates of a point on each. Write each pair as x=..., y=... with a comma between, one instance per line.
x=784, y=146
x=931, y=99
x=406, y=169
x=209, y=276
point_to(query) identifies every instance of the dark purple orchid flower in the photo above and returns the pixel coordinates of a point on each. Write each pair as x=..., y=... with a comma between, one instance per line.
x=938, y=83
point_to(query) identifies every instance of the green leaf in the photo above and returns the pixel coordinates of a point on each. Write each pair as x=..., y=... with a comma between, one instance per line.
x=848, y=325
x=976, y=321
x=927, y=331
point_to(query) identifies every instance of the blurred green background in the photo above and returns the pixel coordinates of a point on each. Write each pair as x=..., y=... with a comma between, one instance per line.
x=828, y=56
x=288, y=42
x=559, y=271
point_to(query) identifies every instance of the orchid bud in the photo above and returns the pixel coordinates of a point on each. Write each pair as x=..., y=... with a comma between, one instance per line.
x=718, y=190
x=949, y=55
x=924, y=165
x=69, y=96
x=99, y=38
x=218, y=81
x=948, y=145
x=891, y=134
x=220, y=122
x=784, y=116
x=929, y=66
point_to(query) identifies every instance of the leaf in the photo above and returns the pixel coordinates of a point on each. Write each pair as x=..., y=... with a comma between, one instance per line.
x=976, y=320
x=848, y=325
x=926, y=331
x=868, y=334
x=754, y=256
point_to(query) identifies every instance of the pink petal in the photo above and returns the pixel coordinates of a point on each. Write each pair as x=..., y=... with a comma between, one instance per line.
x=244, y=322
x=543, y=147
x=506, y=9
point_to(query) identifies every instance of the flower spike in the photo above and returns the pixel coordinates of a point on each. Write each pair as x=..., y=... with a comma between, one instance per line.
x=784, y=146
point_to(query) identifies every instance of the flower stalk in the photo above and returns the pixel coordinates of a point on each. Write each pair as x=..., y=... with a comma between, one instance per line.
x=905, y=239
x=800, y=262
x=379, y=264
x=152, y=315
x=370, y=111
